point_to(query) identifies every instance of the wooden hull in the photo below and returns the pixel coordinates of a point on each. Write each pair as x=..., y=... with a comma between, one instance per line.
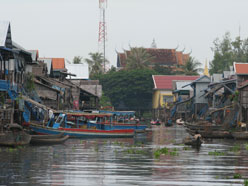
x=54, y=136
x=193, y=142
x=84, y=133
x=240, y=135
x=211, y=134
x=48, y=141
x=203, y=126
x=17, y=138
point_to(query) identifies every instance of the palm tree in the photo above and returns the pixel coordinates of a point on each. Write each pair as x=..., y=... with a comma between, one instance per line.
x=138, y=58
x=77, y=60
x=192, y=67
x=96, y=63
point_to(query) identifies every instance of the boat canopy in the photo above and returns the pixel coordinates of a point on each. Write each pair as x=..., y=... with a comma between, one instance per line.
x=89, y=115
x=119, y=113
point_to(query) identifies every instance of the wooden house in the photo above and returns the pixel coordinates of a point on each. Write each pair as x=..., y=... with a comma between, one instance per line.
x=200, y=103
x=36, y=67
x=241, y=70
x=163, y=91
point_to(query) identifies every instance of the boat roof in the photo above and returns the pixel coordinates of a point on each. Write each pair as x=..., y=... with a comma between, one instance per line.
x=118, y=113
x=86, y=114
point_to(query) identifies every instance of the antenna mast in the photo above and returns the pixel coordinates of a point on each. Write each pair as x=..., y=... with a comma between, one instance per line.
x=102, y=31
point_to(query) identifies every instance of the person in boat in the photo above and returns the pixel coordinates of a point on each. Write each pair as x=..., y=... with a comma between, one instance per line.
x=197, y=135
x=157, y=122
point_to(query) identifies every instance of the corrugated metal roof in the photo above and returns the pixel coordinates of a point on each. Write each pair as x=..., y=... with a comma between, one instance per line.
x=80, y=70
x=48, y=62
x=4, y=26
x=180, y=85
x=217, y=77
x=35, y=54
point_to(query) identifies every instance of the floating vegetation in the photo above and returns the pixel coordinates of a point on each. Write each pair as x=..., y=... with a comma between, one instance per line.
x=235, y=148
x=237, y=176
x=165, y=151
x=186, y=148
x=135, y=151
x=10, y=149
x=216, y=153
x=245, y=182
x=246, y=146
x=96, y=148
x=73, y=149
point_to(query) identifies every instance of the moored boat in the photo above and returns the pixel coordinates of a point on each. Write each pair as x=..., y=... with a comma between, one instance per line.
x=83, y=133
x=203, y=126
x=48, y=139
x=14, y=136
x=240, y=135
x=77, y=125
x=211, y=133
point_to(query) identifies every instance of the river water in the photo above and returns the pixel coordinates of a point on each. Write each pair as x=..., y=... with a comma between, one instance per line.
x=129, y=161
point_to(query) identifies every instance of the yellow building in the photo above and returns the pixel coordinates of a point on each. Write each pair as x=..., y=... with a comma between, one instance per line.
x=163, y=89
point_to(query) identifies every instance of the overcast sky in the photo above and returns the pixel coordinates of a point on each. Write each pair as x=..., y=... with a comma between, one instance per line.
x=68, y=28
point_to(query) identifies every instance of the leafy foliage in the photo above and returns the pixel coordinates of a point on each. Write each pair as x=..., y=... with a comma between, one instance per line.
x=138, y=58
x=132, y=89
x=77, y=60
x=227, y=51
x=192, y=67
x=105, y=101
x=163, y=70
x=29, y=82
x=96, y=63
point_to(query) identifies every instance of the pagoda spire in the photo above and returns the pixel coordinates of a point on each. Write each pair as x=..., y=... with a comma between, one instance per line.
x=206, y=69
x=153, y=45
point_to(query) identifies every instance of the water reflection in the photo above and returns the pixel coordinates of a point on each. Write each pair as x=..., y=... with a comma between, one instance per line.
x=129, y=161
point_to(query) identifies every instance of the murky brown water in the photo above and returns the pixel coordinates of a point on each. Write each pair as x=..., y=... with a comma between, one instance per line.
x=126, y=162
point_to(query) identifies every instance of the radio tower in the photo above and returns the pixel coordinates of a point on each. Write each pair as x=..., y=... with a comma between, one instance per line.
x=102, y=30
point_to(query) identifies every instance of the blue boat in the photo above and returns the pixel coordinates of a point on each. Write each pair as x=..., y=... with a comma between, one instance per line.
x=118, y=120
x=77, y=125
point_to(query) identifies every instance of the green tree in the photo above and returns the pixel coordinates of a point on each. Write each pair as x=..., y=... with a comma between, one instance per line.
x=77, y=60
x=192, y=67
x=163, y=70
x=227, y=51
x=96, y=63
x=138, y=58
x=129, y=89
x=105, y=101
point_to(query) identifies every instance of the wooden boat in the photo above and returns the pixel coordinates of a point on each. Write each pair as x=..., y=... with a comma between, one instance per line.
x=83, y=133
x=195, y=141
x=156, y=122
x=48, y=139
x=211, y=133
x=203, y=126
x=14, y=136
x=240, y=135
x=76, y=127
x=54, y=136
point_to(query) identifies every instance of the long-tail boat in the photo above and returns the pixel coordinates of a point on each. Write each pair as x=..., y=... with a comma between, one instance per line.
x=76, y=124
x=14, y=136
